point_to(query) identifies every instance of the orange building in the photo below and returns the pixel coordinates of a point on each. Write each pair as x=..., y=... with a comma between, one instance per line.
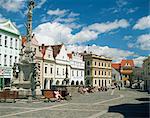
x=126, y=69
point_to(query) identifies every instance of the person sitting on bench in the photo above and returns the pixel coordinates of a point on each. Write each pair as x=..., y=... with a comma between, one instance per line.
x=58, y=96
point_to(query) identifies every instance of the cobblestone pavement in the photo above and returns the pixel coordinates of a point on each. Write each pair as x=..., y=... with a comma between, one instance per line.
x=112, y=104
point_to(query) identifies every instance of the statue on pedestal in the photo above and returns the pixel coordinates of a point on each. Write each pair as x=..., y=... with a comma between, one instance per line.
x=25, y=71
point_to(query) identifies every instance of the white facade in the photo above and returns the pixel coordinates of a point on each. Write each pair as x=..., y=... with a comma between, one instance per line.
x=62, y=67
x=10, y=43
x=46, y=67
x=77, y=69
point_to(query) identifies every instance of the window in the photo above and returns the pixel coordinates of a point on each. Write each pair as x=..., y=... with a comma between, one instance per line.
x=15, y=59
x=81, y=74
x=77, y=73
x=45, y=69
x=105, y=73
x=16, y=44
x=99, y=82
x=88, y=72
x=88, y=63
x=99, y=64
x=0, y=59
x=95, y=82
x=5, y=41
x=102, y=63
x=95, y=63
x=99, y=73
x=105, y=64
x=11, y=41
x=108, y=64
x=102, y=72
x=10, y=63
x=95, y=72
x=51, y=70
x=0, y=40
x=57, y=71
x=72, y=73
x=5, y=60
x=63, y=71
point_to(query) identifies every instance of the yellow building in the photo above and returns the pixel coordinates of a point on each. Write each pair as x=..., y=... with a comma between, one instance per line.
x=97, y=70
x=146, y=68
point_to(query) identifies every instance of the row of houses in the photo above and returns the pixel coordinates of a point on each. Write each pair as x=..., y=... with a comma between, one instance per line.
x=56, y=66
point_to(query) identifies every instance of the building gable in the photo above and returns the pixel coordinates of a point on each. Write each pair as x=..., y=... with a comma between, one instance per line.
x=9, y=27
x=62, y=54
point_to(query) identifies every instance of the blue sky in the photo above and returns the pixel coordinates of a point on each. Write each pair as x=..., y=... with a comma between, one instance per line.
x=119, y=27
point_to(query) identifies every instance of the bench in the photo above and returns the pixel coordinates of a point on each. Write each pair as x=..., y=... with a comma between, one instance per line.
x=7, y=94
x=50, y=95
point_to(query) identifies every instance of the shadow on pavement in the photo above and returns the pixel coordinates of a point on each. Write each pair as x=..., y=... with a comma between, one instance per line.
x=143, y=99
x=140, y=110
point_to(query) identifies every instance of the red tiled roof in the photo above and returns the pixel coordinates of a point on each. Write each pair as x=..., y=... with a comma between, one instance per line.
x=69, y=55
x=56, y=49
x=116, y=65
x=33, y=40
x=123, y=62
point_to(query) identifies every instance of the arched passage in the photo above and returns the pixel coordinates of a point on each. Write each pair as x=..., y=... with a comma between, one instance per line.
x=81, y=83
x=77, y=83
x=72, y=82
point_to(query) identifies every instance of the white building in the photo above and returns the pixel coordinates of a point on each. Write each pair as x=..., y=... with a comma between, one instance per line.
x=77, y=69
x=46, y=65
x=10, y=43
x=62, y=65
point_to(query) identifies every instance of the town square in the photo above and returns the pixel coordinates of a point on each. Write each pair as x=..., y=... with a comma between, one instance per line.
x=79, y=59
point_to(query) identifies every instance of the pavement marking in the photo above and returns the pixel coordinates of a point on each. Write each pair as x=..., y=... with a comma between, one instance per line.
x=5, y=107
x=55, y=109
x=98, y=114
x=112, y=93
x=34, y=110
x=121, y=96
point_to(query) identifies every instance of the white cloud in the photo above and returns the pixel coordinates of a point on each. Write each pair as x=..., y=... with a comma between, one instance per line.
x=39, y=5
x=83, y=36
x=20, y=25
x=143, y=42
x=139, y=61
x=131, y=45
x=114, y=53
x=142, y=23
x=53, y=33
x=121, y=3
x=59, y=32
x=132, y=10
x=57, y=12
x=2, y=18
x=108, y=26
x=12, y=5
x=128, y=37
x=72, y=14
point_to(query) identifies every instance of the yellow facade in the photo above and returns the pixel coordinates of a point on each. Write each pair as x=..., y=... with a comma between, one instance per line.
x=97, y=70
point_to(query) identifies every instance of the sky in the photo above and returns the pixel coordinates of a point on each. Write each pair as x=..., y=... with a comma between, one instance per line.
x=118, y=29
